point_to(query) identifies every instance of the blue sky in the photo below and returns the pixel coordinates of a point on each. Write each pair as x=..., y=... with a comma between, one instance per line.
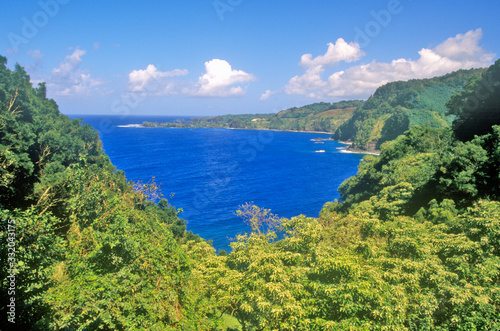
x=209, y=57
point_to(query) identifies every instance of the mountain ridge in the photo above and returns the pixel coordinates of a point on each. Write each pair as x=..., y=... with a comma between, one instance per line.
x=397, y=106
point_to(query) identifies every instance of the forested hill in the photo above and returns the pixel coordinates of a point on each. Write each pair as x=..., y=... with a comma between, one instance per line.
x=80, y=248
x=388, y=113
x=413, y=244
x=397, y=106
x=323, y=117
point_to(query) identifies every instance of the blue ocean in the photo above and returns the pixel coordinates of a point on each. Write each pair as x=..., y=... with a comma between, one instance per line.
x=209, y=173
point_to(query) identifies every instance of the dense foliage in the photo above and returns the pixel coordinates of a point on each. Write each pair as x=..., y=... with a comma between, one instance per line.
x=359, y=271
x=432, y=164
x=397, y=106
x=477, y=107
x=414, y=243
x=91, y=251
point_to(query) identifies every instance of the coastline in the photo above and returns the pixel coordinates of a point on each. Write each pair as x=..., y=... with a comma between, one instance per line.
x=278, y=130
x=348, y=149
x=201, y=127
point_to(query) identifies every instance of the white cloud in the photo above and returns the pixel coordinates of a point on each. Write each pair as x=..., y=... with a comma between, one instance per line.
x=338, y=52
x=71, y=62
x=459, y=52
x=152, y=80
x=69, y=79
x=219, y=79
x=311, y=82
x=266, y=95
x=81, y=84
x=464, y=48
x=307, y=83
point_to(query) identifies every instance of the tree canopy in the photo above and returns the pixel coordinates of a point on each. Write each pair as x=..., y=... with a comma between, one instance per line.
x=477, y=107
x=396, y=107
x=92, y=251
x=413, y=244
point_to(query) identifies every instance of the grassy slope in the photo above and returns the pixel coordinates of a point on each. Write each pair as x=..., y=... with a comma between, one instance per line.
x=397, y=106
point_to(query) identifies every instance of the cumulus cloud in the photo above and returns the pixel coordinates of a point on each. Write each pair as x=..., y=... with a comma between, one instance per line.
x=152, y=80
x=338, y=52
x=465, y=48
x=266, y=95
x=219, y=80
x=70, y=63
x=311, y=82
x=459, y=52
x=69, y=79
x=308, y=83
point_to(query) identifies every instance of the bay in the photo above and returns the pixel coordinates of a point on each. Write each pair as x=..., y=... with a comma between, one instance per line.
x=209, y=173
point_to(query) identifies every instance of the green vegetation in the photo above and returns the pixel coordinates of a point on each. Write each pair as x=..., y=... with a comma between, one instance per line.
x=321, y=117
x=388, y=113
x=91, y=250
x=477, y=107
x=414, y=243
x=397, y=106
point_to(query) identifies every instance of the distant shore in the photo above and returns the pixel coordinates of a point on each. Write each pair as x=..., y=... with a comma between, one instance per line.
x=299, y=131
x=201, y=127
x=347, y=150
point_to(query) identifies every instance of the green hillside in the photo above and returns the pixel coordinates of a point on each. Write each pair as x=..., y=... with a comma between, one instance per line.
x=397, y=106
x=414, y=243
x=321, y=117
x=82, y=249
